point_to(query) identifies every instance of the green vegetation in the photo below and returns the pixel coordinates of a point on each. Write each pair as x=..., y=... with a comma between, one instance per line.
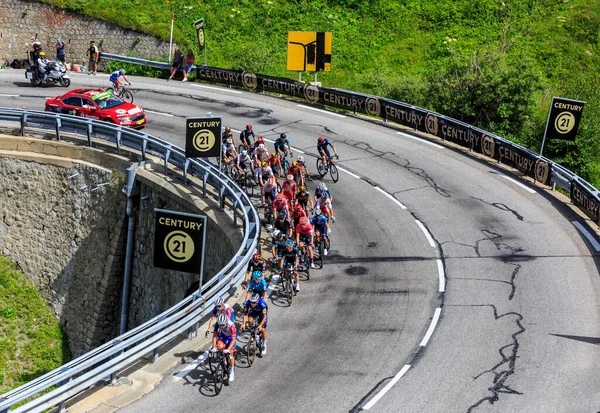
x=31, y=341
x=493, y=63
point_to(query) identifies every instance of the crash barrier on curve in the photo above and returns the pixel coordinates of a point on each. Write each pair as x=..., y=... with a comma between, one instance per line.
x=102, y=363
x=543, y=170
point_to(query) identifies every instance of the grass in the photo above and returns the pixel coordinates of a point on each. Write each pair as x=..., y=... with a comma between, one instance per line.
x=31, y=341
x=404, y=49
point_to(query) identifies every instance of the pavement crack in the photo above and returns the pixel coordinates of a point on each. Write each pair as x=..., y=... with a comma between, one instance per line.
x=502, y=207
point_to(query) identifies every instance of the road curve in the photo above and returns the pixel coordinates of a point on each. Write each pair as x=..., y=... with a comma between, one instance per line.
x=518, y=326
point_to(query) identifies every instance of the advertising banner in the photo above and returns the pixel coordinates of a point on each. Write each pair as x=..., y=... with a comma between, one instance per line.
x=583, y=199
x=202, y=137
x=199, y=25
x=563, y=119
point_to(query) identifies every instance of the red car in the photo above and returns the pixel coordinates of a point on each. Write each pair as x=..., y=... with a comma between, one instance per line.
x=98, y=104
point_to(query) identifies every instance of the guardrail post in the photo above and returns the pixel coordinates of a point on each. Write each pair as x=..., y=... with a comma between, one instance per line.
x=167, y=155
x=221, y=197
x=57, y=128
x=89, y=134
x=118, y=139
x=155, y=351
x=144, y=145
x=62, y=406
x=113, y=376
x=235, y=214
x=186, y=165
x=204, y=179
x=23, y=122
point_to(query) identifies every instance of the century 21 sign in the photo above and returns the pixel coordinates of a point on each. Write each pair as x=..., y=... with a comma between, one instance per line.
x=202, y=137
x=179, y=240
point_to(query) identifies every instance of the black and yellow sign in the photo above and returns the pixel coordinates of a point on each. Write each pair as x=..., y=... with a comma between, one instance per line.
x=563, y=119
x=179, y=241
x=202, y=137
x=199, y=25
x=309, y=51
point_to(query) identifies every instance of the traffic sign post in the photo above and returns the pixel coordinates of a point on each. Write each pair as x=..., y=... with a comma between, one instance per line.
x=179, y=241
x=563, y=120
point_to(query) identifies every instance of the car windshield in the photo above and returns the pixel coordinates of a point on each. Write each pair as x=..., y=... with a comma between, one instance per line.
x=107, y=102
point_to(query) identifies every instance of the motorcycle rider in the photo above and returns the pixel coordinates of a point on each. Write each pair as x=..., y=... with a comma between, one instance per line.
x=43, y=66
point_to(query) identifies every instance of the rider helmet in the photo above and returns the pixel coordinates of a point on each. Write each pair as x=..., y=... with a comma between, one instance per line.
x=254, y=298
x=282, y=136
x=295, y=163
x=229, y=141
x=219, y=301
x=301, y=159
x=222, y=320
x=248, y=126
x=289, y=243
x=244, y=153
x=42, y=54
x=261, y=146
x=325, y=194
x=227, y=129
x=281, y=214
x=256, y=256
x=321, y=139
x=122, y=71
x=317, y=211
x=302, y=188
x=260, y=139
x=273, y=154
x=279, y=196
x=322, y=186
x=276, y=233
x=303, y=221
x=290, y=177
x=257, y=274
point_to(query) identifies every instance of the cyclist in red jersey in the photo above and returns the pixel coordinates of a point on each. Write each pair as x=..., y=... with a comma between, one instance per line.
x=296, y=171
x=304, y=236
x=281, y=204
x=288, y=189
x=297, y=214
x=275, y=163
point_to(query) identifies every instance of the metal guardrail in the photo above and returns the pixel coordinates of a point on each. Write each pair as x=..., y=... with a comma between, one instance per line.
x=103, y=362
x=137, y=61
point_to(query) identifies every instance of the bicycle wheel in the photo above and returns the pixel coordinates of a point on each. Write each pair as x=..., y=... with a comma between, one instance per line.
x=284, y=166
x=251, y=349
x=319, y=257
x=289, y=289
x=320, y=170
x=333, y=171
x=127, y=96
x=218, y=374
x=241, y=148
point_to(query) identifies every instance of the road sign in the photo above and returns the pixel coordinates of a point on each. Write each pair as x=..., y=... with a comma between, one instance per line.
x=563, y=120
x=179, y=240
x=199, y=25
x=202, y=137
x=309, y=51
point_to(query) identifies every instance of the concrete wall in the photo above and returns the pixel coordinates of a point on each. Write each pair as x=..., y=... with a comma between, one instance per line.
x=68, y=231
x=16, y=28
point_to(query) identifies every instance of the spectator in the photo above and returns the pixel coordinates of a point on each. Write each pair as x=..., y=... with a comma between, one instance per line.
x=60, y=50
x=93, y=53
x=189, y=62
x=32, y=60
x=177, y=61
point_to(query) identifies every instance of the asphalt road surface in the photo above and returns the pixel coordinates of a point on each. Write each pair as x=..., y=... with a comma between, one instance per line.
x=516, y=323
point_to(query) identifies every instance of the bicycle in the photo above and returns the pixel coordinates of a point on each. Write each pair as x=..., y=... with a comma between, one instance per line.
x=330, y=166
x=305, y=260
x=321, y=243
x=268, y=218
x=255, y=343
x=123, y=93
x=245, y=180
x=219, y=366
x=284, y=163
x=287, y=282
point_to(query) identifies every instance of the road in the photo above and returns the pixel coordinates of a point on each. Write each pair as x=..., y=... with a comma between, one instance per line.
x=518, y=326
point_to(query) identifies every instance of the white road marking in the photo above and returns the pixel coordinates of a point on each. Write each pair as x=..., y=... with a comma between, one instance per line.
x=592, y=240
x=390, y=197
x=441, y=273
x=321, y=110
x=10, y=96
x=217, y=88
x=406, y=135
x=185, y=371
x=159, y=113
x=434, y=320
x=272, y=284
x=295, y=150
x=514, y=181
x=348, y=172
x=426, y=232
x=387, y=388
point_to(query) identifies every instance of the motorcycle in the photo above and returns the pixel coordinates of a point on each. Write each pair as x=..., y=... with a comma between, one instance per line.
x=57, y=73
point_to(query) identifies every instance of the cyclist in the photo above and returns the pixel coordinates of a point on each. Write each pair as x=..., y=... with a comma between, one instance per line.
x=290, y=259
x=257, y=285
x=303, y=198
x=257, y=263
x=278, y=244
x=243, y=161
x=264, y=173
x=220, y=308
x=224, y=337
x=261, y=153
x=246, y=135
x=227, y=135
x=275, y=162
x=288, y=189
x=297, y=214
x=324, y=204
x=229, y=151
x=282, y=145
x=321, y=189
x=322, y=148
x=296, y=171
x=114, y=79
x=320, y=225
x=304, y=236
x=268, y=191
x=256, y=309
x=281, y=204
x=283, y=224
x=302, y=165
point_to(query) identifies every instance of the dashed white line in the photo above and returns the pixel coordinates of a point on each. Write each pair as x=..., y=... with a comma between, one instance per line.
x=272, y=284
x=441, y=274
x=9, y=96
x=426, y=232
x=185, y=371
x=592, y=240
x=321, y=110
x=159, y=113
x=217, y=88
x=349, y=173
x=514, y=181
x=434, y=320
x=387, y=388
x=390, y=197
x=406, y=135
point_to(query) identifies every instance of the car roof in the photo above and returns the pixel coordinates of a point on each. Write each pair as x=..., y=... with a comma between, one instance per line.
x=83, y=92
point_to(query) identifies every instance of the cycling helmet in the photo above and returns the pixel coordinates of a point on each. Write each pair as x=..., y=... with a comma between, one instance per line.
x=301, y=159
x=256, y=256
x=318, y=211
x=273, y=154
x=220, y=301
x=122, y=71
x=282, y=136
x=227, y=129
x=264, y=164
x=325, y=195
x=257, y=274
x=302, y=188
x=321, y=139
x=244, y=153
x=222, y=320
x=289, y=243
x=281, y=215
x=261, y=146
x=279, y=196
x=229, y=140
x=260, y=139
x=322, y=186
x=290, y=177
x=42, y=54
x=303, y=221
x=248, y=126
x=295, y=163
x=276, y=233
x=254, y=298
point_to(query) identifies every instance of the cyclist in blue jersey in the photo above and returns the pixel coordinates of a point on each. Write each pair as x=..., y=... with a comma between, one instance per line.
x=114, y=79
x=323, y=149
x=282, y=145
x=320, y=224
x=223, y=339
x=320, y=190
x=257, y=263
x=257, y=285
x=256, y=309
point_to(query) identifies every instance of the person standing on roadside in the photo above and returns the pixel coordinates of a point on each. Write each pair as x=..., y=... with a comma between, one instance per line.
x=32, y=59
x=177, y=61
x=60, y=50
x=189, y=62
x=92, y=52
